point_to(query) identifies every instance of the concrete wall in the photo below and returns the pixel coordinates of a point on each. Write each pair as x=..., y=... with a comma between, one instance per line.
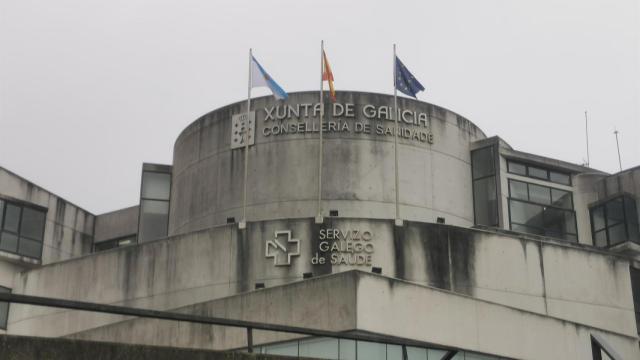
x=117, y=224
x=358, y=168
x=327, y=303
x=626, y=181
x=363, y=302
x=68, y=229
x=554, y=279
x=406, y=310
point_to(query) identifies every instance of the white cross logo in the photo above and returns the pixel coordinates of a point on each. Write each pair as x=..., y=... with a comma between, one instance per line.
x=275, y=244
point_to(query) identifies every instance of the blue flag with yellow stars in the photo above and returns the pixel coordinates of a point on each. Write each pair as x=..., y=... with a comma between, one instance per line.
x=406, y=83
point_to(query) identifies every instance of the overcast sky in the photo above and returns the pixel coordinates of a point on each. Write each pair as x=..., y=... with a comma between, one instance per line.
x=89, y=90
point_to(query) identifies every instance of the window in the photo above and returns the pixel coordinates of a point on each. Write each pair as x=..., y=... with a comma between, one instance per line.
x=114, y=243
x=155, y=193
x=344, y=349
x=635, y=290
x=4, y=309
x=614, y=221
x=485, y=199
x=537, y=172
x=21, y=229
x=541, y=210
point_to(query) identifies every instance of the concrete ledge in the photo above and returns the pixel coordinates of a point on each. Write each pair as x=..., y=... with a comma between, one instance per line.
x=34, y=348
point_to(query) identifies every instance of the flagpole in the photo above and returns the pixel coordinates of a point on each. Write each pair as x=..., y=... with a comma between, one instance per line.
x=618, y=146
x=586, y=128
x=243, y=222
x=319, y=219
x=398, y=221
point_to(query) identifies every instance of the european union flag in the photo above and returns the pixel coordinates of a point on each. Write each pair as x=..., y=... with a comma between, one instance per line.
x=406, y=83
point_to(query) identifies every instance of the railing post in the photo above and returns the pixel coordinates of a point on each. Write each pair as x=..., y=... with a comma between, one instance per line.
x=250, y=340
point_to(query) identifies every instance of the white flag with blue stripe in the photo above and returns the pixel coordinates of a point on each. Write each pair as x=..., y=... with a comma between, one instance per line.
x=259, y=77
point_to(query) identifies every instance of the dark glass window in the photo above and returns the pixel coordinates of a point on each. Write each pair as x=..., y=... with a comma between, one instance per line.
x=4, y=309
x=110, y=244
x=154, y=220
x=155, y=193
x=22, y=229
x=517, y=168
x=482, y=161
x=8, y=242
x=614, y=222
x=32, y=224
x=11, y=218
x=635, y=289
x=541, y=210
x=537, y=172
x=156, y=185
x=539, y=194
x=559, y=178
x=485, y=199
x=561, y=198
x=518, y=190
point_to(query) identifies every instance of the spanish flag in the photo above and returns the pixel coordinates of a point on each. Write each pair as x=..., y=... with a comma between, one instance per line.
x=327, y=75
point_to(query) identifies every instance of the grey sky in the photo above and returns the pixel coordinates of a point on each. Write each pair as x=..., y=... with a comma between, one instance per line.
x=91, y=89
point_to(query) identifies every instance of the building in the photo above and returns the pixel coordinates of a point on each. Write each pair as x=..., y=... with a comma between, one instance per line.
x=488, y=250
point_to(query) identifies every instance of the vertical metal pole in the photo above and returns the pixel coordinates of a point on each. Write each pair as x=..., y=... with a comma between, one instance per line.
x=243, y=223
x=320, y=147
x=586, y=129
x=249, y=340
x=398, y=222
x=618, y=145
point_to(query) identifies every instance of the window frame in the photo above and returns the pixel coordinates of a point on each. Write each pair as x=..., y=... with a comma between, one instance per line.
x=543, y=206
x=160, y=169
x=541, y=167
x=22, y=205
x=626, y=220
x=494, y=174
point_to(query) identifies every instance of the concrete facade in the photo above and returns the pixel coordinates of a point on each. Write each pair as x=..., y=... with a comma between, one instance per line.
x=68, y=228
x=117, y=224
x=358, y=172
x=363, y=302
x=445, y=278
x=549, y=279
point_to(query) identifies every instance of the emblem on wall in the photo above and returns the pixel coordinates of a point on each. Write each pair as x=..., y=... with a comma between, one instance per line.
x=282, y=248
x=242, y=129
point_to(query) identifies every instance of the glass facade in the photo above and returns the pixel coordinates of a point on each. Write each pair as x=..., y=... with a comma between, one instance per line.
x=4, y=309
x=21, y=229
x=537, y=172
x=541, y=210
x=485, y=198
x=614, y=221
x=155, y=194
x=342, y=349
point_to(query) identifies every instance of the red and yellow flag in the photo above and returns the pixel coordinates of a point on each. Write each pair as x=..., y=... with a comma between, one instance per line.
x=327, y=75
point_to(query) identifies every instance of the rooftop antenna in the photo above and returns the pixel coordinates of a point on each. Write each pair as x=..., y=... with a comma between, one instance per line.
x=618, y=145
x=586, y=128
